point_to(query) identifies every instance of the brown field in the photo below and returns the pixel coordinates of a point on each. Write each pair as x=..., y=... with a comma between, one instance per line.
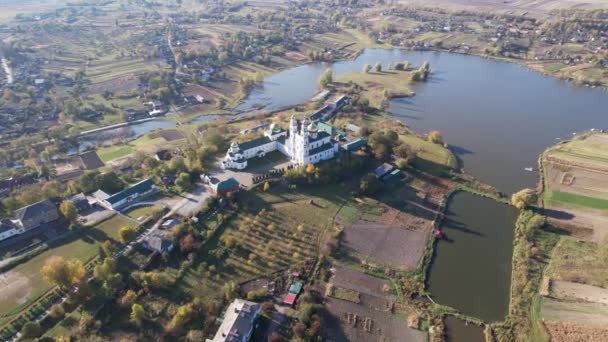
x=577, y=180
x=565, y=332
x=370, y=319
x=587, y=314
x=91, y=160
x=392, y=246
x=567, y=290
x=355, y=322
x=168, y=135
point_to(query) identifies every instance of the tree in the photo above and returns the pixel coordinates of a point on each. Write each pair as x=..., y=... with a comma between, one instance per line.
x=184, y=315
x=310, y=169
x=367, y=68
x=266, y=186
x=126, y=234
x=435, y=137
x=30, y=331
x=57, y=311
x=369, y=184
x=405, y=155
x=326, y=78
x=62, y=273
x=183, y=181
x=69, y=211
x=523, y=198
x=138, y=314
x=378, y=67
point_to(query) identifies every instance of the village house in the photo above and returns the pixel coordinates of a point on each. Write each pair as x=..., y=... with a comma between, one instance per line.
x=158, y=242
x=35, y=215
x=223, y=187
x=127, y=196
x=239, y=321
x=28, y=218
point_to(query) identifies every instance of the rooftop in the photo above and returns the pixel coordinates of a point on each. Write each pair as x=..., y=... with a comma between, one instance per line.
x=34, y=209
x=322, y=148
x=140, y=187
x=254, y=143
x=238, y=321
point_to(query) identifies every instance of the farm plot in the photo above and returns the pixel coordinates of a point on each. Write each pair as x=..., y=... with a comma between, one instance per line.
x=274, y=230
x=351, y=321
x=576, y=184
x=392, y=246
x=360, y=307
x=168, y=135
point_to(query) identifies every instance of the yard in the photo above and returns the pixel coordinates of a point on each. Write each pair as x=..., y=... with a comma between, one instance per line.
x=142, y=212
x=24, y=283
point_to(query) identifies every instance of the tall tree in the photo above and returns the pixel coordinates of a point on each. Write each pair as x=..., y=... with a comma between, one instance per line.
x=69, y=211
x=63, y=273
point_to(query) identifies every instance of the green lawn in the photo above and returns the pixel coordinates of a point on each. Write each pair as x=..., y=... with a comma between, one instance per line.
x=26, y=278
x=107, y=154
x=142, y=211
x=555, y=67
x=584, y=201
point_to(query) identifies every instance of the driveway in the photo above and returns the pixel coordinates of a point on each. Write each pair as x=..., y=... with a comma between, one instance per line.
x=192, y=202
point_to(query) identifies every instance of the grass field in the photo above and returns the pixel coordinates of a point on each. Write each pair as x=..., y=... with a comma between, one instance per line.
x=24, y=283
x=580, y=262
x=579, y=200
x=142, y=211
x=113, y=152
x=265, y=236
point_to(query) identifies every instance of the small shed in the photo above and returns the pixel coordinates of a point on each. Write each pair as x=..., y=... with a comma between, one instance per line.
x=289, y=299
x=296, y=288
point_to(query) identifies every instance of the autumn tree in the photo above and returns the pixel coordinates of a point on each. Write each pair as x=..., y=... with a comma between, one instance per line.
x=310, y=169
x=326, y=78
x=126, y=234
x=61, y=272
x=138, y=314
x=266, y=186
x=183, y=316
x=523, y=198
x=435, y=137
x=69, y=211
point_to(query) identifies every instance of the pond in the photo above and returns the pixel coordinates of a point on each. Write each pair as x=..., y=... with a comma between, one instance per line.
x=471, y=268
x=108, y=137
x=496, y=116
x=460, y=331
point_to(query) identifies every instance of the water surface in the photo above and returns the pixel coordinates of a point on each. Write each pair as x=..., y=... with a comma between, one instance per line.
x=460, y=331
x=471, y=268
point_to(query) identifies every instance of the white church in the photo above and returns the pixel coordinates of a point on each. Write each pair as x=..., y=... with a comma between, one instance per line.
x=304, y=143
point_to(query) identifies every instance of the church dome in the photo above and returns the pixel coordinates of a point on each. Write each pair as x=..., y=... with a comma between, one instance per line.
x=312, y=127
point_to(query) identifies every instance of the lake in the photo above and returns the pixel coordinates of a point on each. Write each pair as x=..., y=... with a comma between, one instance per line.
x=497, y=117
